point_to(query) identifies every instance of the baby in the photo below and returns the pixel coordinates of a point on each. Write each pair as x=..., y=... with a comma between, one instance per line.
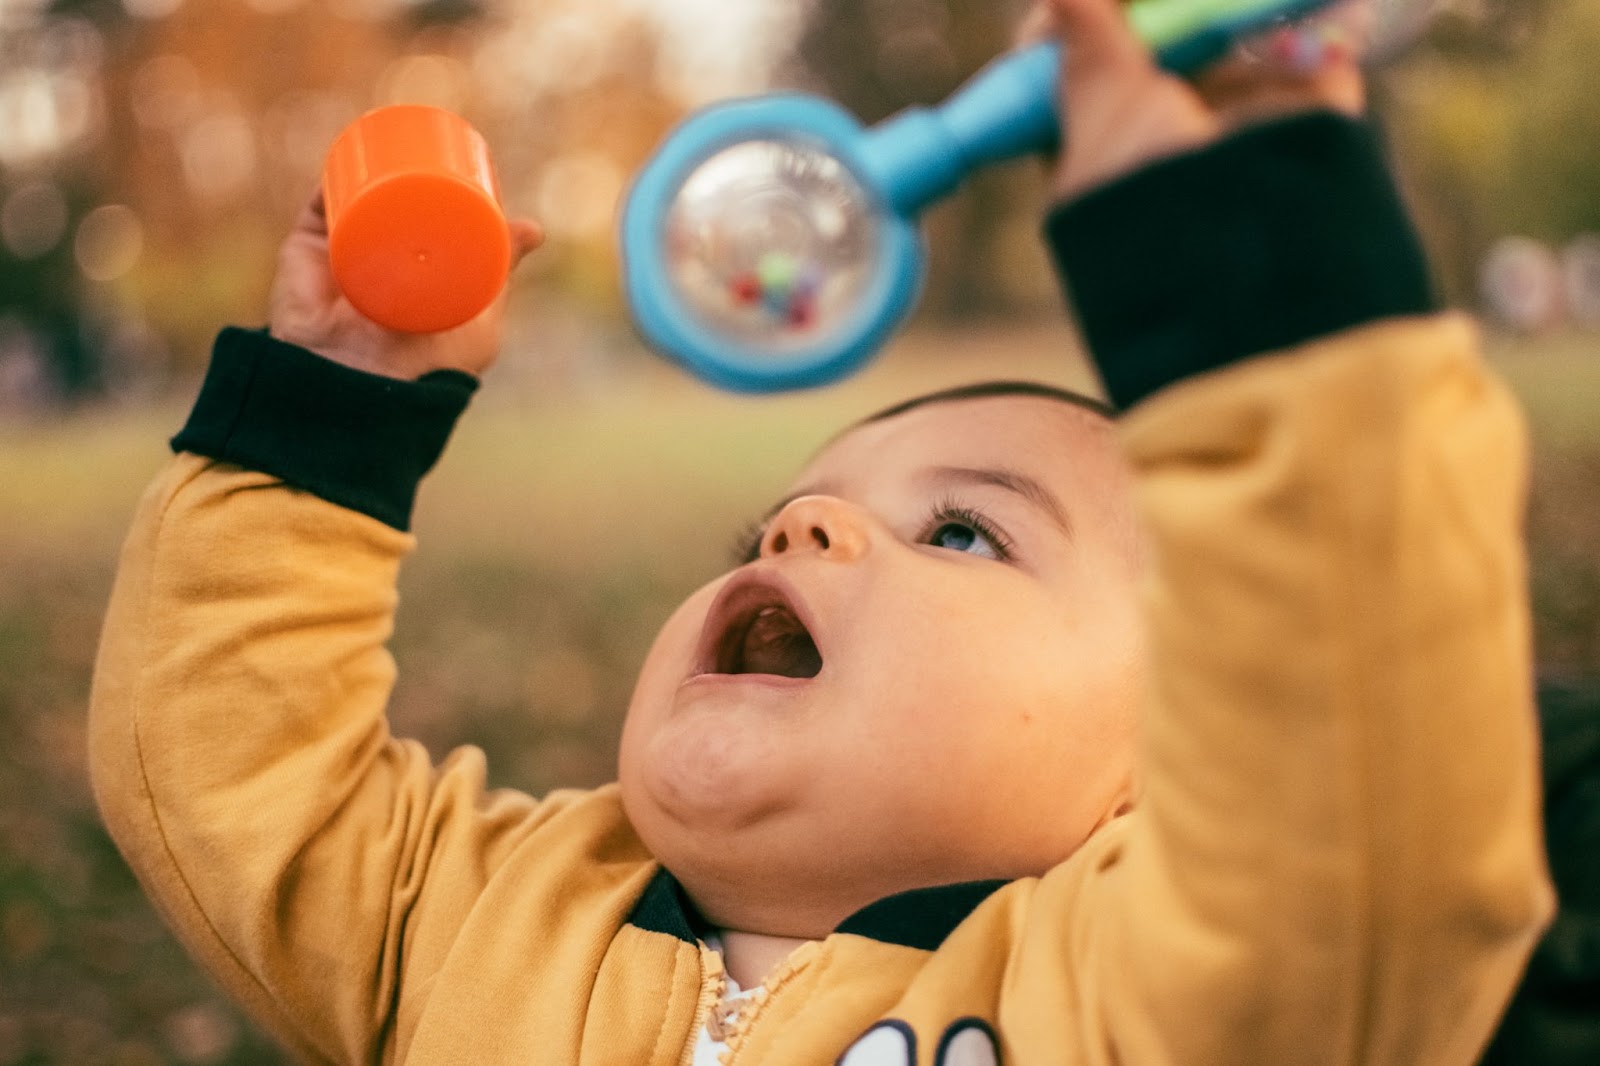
x=1024, y=735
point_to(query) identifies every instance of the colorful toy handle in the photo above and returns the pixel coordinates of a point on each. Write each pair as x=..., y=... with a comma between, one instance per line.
x=771, y=243
x=1008, y=109
x=416, y=237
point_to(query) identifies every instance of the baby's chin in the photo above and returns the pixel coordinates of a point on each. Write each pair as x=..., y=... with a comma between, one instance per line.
x=739, y=863
x=742, y=834
x=768, y=879
x=794, y=868
x=707, y=777
x=804, y=885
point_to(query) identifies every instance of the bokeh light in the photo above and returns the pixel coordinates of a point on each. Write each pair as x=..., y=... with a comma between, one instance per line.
x=201, y=1034
x=33, y=219
x=435, y=80
x=151, y=9
x=219, y=154
x=41, y=112
x=579, y=194
x=164, y=91
x=712, y=48
x=299, y=126
x=1581, y=265
x=563, y=54
x=72, y=43
x=275, y=7
x=109, y=241
x=1522, y=284
x=364, y=10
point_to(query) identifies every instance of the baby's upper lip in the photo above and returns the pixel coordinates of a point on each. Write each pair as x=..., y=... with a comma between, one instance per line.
x=744, y=596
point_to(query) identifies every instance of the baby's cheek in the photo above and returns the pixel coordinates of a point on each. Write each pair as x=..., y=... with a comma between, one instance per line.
x=671, y=656
x=667, y=663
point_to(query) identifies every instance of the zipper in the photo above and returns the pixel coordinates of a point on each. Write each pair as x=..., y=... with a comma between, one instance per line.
x=712, y=984
x=751, y=1010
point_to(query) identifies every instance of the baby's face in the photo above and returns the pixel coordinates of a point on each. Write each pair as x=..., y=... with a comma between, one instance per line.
x=929, y=674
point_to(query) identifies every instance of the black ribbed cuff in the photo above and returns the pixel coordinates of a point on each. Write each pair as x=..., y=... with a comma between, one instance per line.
x=359, y=440
x=1283, y=233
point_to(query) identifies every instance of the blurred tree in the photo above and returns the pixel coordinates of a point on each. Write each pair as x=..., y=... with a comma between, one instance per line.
x=445, y=12
x=876, y=57
x=1494, y=122
x=1556, y=172
x=210, y=122
x=206, y=123
x=49, y=104
x=102, y=12
x=1487, y=31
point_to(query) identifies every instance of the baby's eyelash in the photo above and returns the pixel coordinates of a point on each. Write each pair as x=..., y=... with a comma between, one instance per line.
x=948, y=510
x=746, y=547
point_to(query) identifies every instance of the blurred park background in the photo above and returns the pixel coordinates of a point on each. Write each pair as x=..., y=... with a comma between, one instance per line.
x=152, y=153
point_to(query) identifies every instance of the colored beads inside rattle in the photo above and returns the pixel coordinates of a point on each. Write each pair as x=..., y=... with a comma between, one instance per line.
x=1365, y=31
x=772, y=242
x=782, y=286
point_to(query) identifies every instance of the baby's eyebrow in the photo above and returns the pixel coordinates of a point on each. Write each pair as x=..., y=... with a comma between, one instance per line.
x=1029, y=488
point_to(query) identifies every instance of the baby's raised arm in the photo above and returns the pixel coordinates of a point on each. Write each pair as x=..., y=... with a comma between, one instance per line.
x=239, y=749
x=1336, y=859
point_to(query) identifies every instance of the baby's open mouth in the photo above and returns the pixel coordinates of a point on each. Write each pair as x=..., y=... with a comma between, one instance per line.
x=759, y=632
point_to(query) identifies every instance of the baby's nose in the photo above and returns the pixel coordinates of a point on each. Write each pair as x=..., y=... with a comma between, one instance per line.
x=824, y=524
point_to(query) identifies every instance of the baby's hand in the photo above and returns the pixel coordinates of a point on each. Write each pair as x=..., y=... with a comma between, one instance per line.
x=1121, y=112
x=308, y=309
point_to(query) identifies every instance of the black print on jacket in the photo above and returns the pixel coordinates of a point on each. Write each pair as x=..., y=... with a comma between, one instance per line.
x=967, y=1042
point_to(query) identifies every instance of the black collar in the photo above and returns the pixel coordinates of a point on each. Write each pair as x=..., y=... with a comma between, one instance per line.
x=920, y=918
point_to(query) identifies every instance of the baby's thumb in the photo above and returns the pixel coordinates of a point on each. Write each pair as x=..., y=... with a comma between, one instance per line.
x=526, y=236
x=1098, y=39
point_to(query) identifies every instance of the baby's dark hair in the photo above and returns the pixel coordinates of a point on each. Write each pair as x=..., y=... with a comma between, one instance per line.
x=982, y=389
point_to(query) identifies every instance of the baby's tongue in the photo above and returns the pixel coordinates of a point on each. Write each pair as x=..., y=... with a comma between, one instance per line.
x=776, y=643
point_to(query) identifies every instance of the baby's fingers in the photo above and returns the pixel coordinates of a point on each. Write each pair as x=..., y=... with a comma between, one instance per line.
x=313, y=217
x=526, y=236
x=1100, y=39
x=1245, y=90
x=1121, y=111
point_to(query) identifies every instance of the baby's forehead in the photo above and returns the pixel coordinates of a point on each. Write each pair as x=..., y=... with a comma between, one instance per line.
x=1024, y=430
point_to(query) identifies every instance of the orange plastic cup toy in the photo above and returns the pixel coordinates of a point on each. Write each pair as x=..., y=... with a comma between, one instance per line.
x=416, y=236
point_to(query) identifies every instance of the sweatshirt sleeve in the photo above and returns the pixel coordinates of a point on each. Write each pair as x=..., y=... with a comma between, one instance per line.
x=239, y=750
x=1337, y=856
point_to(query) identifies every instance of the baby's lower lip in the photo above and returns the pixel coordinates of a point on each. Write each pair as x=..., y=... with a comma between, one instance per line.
x=766, y=680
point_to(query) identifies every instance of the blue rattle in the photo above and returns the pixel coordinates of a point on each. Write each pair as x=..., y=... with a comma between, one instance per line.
x=772, y=243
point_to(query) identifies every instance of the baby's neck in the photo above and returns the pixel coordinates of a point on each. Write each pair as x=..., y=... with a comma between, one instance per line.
x=749, y=957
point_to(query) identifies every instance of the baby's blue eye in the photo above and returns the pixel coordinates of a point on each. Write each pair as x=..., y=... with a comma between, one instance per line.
x=961, y=537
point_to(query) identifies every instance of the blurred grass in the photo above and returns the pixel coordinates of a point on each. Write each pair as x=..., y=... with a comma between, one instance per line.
x=556, y=535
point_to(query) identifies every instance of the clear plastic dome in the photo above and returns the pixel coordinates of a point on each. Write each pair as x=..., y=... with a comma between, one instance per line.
x=773, y=244
x=1371, y=31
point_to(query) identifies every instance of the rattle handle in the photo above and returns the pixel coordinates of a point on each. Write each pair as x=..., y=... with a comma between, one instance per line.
x=1190, y=35
x=1009, y=108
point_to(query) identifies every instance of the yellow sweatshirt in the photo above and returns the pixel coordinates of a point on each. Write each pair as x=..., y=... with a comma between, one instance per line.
x=1335, y=860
